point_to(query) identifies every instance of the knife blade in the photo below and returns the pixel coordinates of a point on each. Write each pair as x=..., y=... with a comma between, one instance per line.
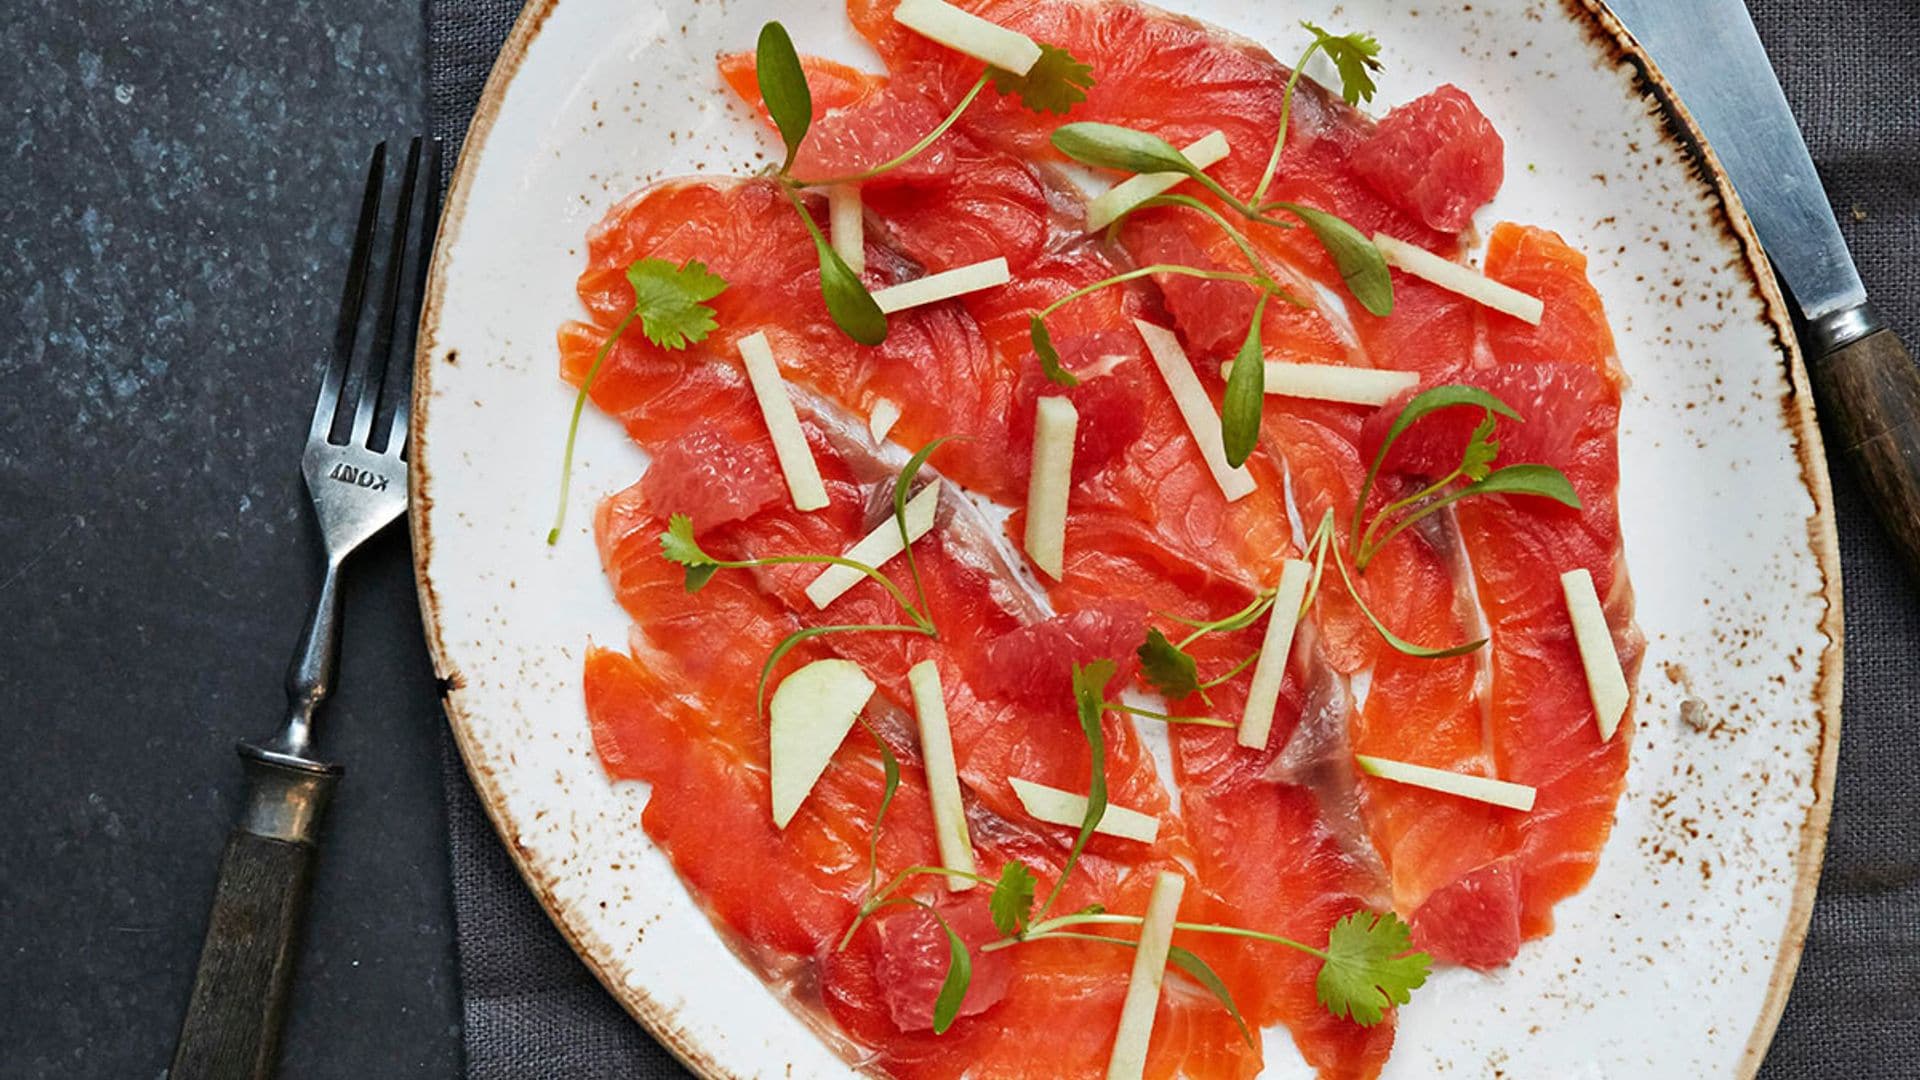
x=1866, y=384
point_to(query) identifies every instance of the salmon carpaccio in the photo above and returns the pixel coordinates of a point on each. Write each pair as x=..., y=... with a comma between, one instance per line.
x=1286, y=838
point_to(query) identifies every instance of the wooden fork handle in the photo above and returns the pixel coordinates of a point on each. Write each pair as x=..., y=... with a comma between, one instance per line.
x=232, y=1026
x=1869, y=393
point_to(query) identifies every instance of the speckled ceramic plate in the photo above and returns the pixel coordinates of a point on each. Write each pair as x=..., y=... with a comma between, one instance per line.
x=1677, y=958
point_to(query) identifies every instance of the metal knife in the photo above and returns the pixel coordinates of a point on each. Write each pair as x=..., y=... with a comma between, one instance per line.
x=1867, y=386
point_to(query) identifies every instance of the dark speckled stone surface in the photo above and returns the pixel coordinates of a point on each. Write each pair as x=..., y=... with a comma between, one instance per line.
x=179, y=180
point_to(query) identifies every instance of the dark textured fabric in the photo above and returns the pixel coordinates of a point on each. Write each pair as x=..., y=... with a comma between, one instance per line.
x=1852, y=71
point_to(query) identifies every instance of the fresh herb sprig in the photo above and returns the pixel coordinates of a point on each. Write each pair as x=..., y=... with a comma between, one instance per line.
x=1170, y=669
x=670, y=303
x=1110, y=146
x=678, y=545
x=1043, y=347
x=1367, y=966
x=1475, y=467
x=1355, y=56
x=1089, y=701
x=1055, y=83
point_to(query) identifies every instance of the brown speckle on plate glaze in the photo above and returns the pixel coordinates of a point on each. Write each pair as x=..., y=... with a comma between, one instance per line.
x=1704, y=805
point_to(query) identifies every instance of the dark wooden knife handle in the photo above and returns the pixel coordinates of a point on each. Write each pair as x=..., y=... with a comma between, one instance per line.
x=239, y=1000
x=1869, y=394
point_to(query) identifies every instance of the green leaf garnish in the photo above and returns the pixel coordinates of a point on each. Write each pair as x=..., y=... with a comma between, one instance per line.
x=1366, y=967
x=1526, y=479
x=1110, y=146
x=1167, y=666
x=1049, y=356
x=1399, y=643
x=1089, y=699
x=1481, y=449
x=885, y=898
x=679, y=546
x=783, y=86
x=1369, y=967
x=1361, y=265
x=1043, y=346
x=1246, y=393
x=1172, y=670
x=1356, y=56
x=1199, y=972
x=1012, y=902
x=848, y=301
x=1476, y=459
x=890, y=770
x=953, y=989
x=668, y=301
x=1056, y=82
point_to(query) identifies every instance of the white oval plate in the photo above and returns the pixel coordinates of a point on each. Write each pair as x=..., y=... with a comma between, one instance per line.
x=1678, y=956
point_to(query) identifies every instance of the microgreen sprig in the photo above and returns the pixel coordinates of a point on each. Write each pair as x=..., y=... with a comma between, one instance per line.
x=1055, y=83
x=1356, y=56
x=1367, y=966
x=678, y=545
x=1170, y=669
x=670, y=303
x=1043, y=347
x=1475, y=467
x=1110, y=146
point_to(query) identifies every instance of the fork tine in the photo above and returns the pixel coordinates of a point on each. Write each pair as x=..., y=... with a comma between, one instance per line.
x=351, y=296
x=397, y=376
x=378, y=357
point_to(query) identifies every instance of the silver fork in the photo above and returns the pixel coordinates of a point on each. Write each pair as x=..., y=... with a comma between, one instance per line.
x=358, y=486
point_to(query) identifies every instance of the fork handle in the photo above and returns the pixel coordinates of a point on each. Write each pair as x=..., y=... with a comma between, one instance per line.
x=232, y=1026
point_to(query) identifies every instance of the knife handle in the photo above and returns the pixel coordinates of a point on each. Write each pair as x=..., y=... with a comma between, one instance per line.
x=1869, y=392
x=232, y=1026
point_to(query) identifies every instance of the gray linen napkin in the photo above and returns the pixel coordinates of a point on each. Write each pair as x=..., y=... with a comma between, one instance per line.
x=1852, y=71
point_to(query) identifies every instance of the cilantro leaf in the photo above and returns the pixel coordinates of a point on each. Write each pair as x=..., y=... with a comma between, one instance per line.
x=1198, y=970
x=1368, y=967
x=679, y=546
x=1056, y=82
x=1481, y=449
x=1167, y=666
x=1356, y=56
x=669, y=300
x=783, y=86
x=1012, y=902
